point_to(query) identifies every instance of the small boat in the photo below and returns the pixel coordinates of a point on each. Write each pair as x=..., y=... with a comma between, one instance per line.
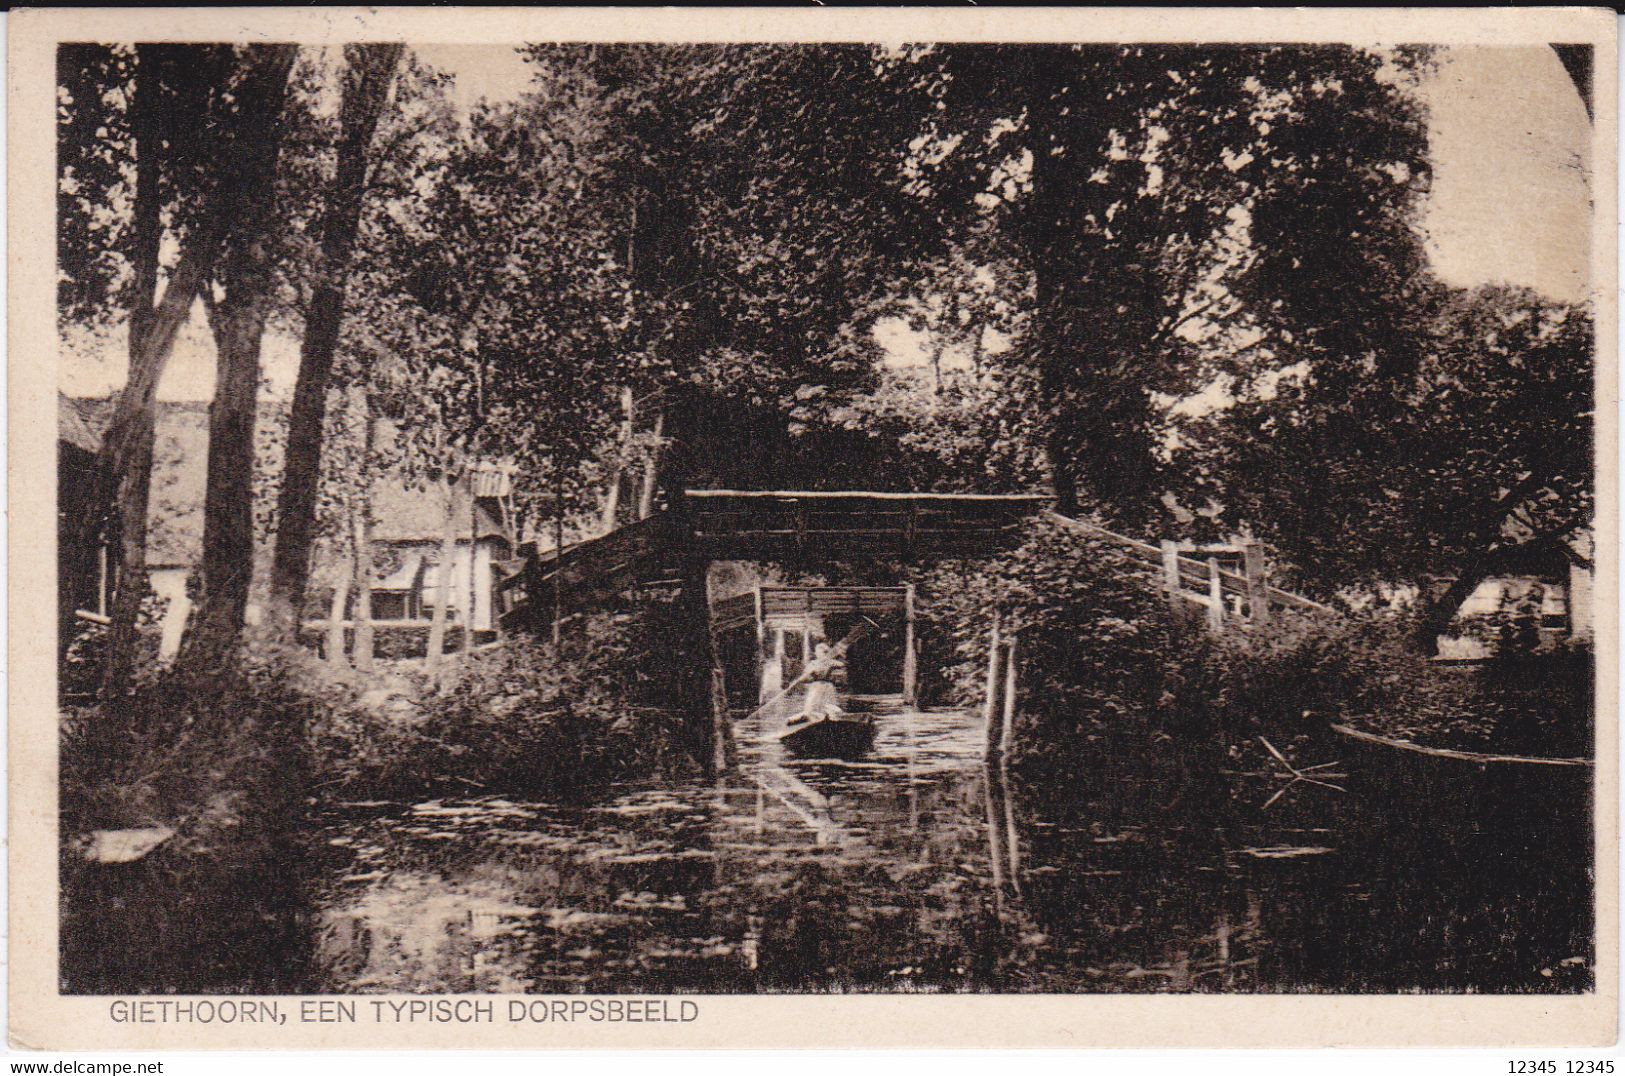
x=823, y=730
x=830, y=736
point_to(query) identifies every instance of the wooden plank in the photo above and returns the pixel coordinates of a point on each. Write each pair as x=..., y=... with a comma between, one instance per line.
x=873, y=495
x=908, y=647
x=1215, y=597
x=1170, y=575
x=720, y=728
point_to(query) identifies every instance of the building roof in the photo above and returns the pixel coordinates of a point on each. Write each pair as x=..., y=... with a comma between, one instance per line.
x=404, y=511
x=77, y=428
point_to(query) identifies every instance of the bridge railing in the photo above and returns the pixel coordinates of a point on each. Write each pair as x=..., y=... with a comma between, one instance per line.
x=1196, y=575
x=583, y=573
x=742, y=523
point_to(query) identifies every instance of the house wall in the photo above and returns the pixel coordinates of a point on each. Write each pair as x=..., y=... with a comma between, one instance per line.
x=1580, y=602
x=470, y=568
x=1581, y=609
x=1557, y=606
x=1487, y=599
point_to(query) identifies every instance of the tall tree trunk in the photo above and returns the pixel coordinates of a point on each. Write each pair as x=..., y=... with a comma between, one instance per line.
x=228, y=503
x=127, y=447
x=946, y=330
x=146, y=121
x=443, y=575
x=130, y=555
x=1039, y=232
x=369, y=71
x=128, y=543
x=1480, y=562
x=651, y=469
x=361, y=530
x=623, y=448
x=239, y=329
x=1439, y=610
x=973, y=335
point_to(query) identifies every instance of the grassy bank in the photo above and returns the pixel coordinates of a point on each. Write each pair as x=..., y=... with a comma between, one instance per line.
x=216, y=761
x=528, y=718
x=226, y=771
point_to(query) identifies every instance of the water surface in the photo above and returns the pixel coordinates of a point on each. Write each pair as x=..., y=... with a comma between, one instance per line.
x=922, y=869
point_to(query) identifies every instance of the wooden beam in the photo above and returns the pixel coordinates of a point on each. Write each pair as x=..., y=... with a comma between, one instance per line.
x=761, y=638
x=1258, y=602
x=1170, y=574
x=720, y=729
x=818, y=495
x=770, y=686
x=646, y=497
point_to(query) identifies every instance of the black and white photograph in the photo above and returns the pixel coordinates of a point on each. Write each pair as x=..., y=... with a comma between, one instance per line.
x=576, y=520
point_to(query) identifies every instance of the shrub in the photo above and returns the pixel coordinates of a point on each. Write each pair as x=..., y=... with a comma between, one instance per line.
x=525, y=718
x=1103, y=660
x=79, y=674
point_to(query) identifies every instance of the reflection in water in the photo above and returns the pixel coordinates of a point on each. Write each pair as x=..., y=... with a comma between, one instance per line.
x=920, y=869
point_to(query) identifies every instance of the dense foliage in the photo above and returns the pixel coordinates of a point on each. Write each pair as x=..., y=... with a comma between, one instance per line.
x=538, y=721
x=1470, y=449
x=1086, y=235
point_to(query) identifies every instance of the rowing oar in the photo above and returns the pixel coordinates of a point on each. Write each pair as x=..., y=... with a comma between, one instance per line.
x=792, y=685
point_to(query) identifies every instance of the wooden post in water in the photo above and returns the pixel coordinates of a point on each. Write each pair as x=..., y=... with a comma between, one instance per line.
x=990, y=711
x=1258, y=603
x=720, y=730
x=719, y=717
x=772, y=685
x=1215, y=597
x=1008, y=724
x=909, y=671
x=761, y=639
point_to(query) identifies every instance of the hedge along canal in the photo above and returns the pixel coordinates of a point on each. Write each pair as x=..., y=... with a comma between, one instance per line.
x=920, y=869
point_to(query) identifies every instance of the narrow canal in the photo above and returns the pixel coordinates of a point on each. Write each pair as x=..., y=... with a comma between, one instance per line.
x=918, y=869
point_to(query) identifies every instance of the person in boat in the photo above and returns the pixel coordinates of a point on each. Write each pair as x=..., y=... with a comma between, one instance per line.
x=821, y=672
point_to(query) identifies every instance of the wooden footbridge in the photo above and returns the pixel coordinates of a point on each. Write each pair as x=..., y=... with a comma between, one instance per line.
x=801, y=527
x=813, y=527
x=675, y=547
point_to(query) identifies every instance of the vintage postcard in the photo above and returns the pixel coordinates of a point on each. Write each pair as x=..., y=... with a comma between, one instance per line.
x=763, y=527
